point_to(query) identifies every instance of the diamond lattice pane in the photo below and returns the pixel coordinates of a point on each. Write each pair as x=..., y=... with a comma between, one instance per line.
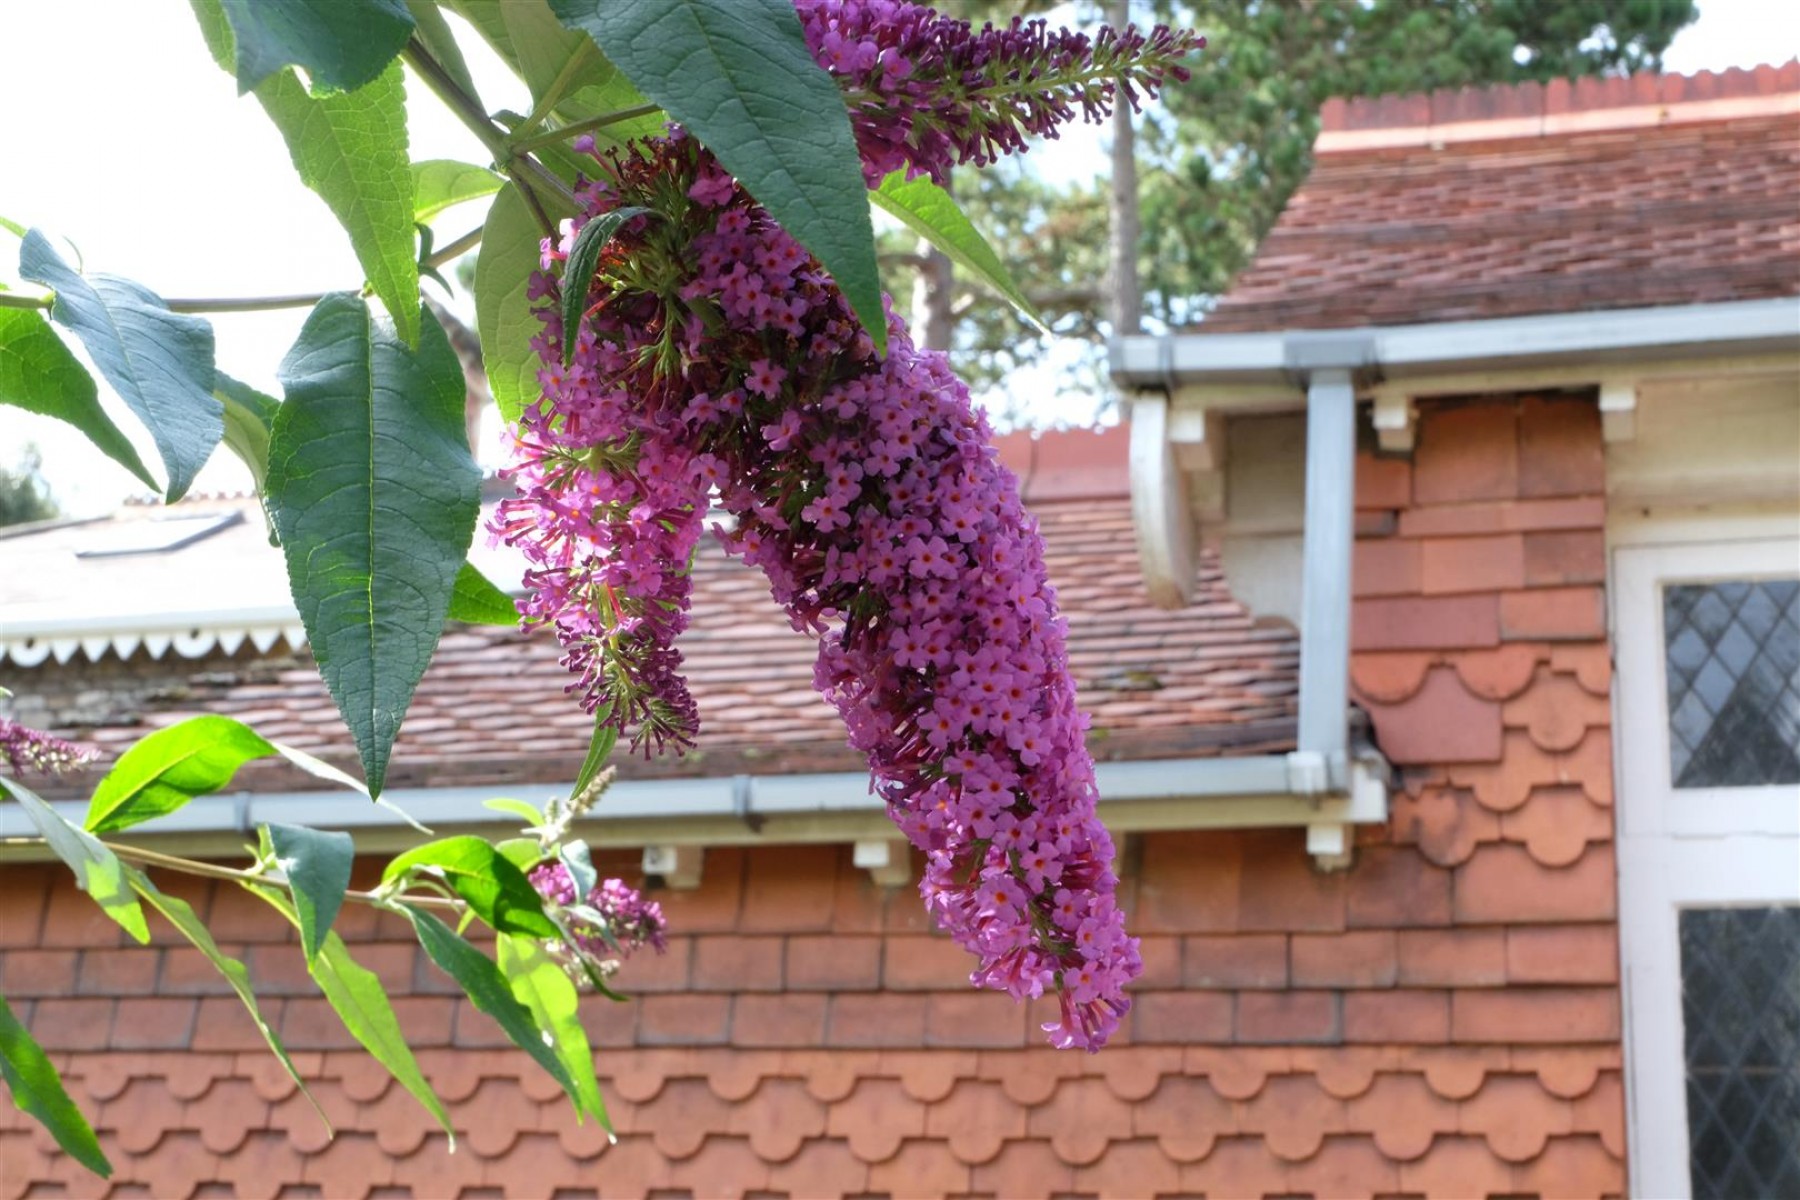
x=1732, y=652
x=1740, y=994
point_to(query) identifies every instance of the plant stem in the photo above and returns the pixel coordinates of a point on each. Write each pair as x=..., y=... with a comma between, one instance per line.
x=243, y=304
x=524, y=170
x=558, y=86
x=566, y=132
x=188, y=866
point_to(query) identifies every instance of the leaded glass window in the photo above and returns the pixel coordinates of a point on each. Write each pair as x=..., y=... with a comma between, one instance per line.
x=1733, y=664
x=1740, y=1000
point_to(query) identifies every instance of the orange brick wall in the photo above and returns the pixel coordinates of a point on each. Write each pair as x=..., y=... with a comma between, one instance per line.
x=1441, y=1019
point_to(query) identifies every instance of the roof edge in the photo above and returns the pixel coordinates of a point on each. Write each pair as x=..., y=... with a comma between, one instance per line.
x=1281, y=356
x=1561, y=106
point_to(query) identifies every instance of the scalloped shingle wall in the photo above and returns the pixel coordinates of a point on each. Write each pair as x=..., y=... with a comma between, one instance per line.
x=1440, y=1020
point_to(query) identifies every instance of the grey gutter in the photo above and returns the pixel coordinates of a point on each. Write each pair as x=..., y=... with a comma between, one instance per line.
x=740, y=809
x=1670, y=331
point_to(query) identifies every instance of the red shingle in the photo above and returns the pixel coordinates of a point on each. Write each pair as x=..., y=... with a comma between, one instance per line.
x=1534, y=217
x=1205, y=681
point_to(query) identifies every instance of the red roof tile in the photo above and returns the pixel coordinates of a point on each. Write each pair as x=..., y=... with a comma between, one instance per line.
x=1513, y=201
x=1208, y=680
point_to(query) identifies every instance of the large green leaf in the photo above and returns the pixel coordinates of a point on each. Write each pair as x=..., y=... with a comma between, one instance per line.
x=477, y=601
x=249, y=415
x=98, y=871
x=38, y=1090
x=510, y=243
x=375, y=497
x=317, y=865
x=350, y=148
x=342, y=44
x=544, y=988
x=931, y=212
x=738, y=75
x=490, y=884
x=38, y=374
x=489, y=991
x=166, y=769
x=439, y=183
x=179, y=914
x=159, y=362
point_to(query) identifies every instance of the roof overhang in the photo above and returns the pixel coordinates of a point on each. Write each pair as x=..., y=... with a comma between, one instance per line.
x=664, y=816
x=1745, y=327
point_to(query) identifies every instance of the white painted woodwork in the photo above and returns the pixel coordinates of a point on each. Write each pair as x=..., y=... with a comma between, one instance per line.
x=1395, y=419
x=887, y=860
x=679, y=865
x=1691, y=848
x=1166, y=538
x=1618, y=409
x=1708, y=442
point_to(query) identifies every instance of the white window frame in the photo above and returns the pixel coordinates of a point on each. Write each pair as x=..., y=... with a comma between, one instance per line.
x=1692, y=848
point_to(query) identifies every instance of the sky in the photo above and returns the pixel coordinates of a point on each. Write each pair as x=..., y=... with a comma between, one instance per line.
x=140, y=153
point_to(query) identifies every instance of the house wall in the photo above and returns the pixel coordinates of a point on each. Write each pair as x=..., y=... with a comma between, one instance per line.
x=1440, y=1019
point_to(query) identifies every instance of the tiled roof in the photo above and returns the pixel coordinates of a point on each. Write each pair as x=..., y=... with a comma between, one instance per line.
x=1207, y=680
x=1534, y=199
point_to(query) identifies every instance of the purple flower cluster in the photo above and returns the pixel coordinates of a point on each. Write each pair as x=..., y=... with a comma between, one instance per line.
x=23, y=749
x=928, y=92
x=868, y=492
x=609, y=513
x=627, y=923
x=717, y=363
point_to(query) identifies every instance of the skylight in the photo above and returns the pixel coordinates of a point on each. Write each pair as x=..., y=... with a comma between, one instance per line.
x=154, y=535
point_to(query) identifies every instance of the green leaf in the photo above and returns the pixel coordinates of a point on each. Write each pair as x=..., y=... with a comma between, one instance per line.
x=178, y=913
x=317, y=865
x=521, y=852
x=168, y=768
x=249, y=415
x=578, y=271
x=525, y=812
x=38, y=1090
x=509, y=255
x=599, y=747
x=361, y=1003
x=488, y=990
x=580, y=865
x=475, y=600
x=439, y=183
x=356, y=994
x=492, y=886
x=160, y=363
x=38, y=374
x=540, y=984
x=350, y=148
x=738, y=75
x=98, y=871
x=435, y=34
x=342, y=44
x=375, y=497
x=931, y=212
x=12, y=227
